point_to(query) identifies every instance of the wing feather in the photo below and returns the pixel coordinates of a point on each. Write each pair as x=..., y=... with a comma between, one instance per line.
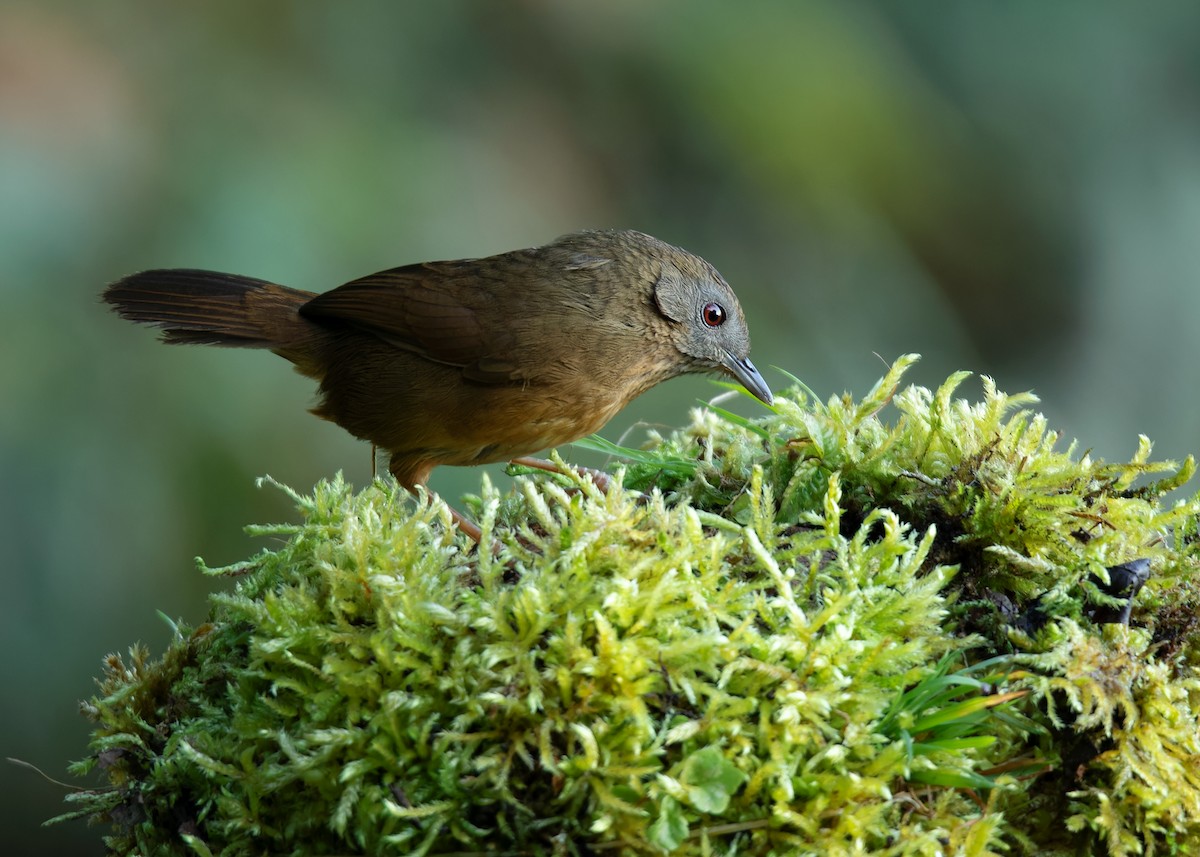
x=441, y=310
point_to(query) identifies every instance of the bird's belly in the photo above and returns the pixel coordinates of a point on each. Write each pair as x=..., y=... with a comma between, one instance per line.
x=520, y=425
x=426, y=414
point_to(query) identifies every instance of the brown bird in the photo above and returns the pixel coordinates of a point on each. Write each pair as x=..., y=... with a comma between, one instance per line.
x=476, y=360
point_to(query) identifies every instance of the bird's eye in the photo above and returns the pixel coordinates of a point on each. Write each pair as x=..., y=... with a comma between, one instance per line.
x=713, y=314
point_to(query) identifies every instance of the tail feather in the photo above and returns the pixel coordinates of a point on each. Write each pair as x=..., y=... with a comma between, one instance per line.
x=210, y=308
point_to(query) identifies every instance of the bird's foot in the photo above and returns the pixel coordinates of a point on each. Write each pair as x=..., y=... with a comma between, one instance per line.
x=601, y=479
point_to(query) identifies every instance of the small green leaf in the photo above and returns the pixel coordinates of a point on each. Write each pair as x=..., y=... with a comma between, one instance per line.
x=804, y=388
x=952, y=745
x=670, y=828
x=952, y=779
x=738, y=420
x=710, y=779
x=964, y=709
x=196, y=844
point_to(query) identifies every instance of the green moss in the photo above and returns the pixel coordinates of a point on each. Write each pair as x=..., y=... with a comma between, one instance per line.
x=814, y=633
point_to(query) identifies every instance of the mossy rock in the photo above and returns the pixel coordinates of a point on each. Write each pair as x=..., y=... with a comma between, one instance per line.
x=817, y=633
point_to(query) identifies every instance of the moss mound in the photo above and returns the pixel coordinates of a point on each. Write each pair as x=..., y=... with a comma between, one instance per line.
x=814, y=633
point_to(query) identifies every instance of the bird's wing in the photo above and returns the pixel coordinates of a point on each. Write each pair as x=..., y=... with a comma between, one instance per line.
x=440, y=310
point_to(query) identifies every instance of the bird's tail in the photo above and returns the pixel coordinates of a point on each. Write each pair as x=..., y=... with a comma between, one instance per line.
x=211, y=308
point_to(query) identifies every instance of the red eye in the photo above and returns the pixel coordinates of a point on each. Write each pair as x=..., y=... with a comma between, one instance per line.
x=713, y=314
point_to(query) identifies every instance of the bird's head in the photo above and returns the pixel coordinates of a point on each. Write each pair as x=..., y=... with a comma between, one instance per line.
x=708, y=326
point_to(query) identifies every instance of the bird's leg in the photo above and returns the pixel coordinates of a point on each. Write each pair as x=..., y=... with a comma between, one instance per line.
x=469, y=528
x=414, y=479
x=599, y=477
x=465, y=525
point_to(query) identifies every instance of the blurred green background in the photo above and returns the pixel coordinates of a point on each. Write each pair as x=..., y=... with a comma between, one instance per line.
x=1011, y=188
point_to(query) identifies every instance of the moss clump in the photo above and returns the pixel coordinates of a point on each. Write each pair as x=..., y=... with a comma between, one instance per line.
x=814, y=633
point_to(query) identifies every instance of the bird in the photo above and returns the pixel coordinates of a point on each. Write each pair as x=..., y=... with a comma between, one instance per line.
x=472, y=361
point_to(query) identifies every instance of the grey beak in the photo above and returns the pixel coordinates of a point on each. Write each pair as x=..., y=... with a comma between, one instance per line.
x=742, y=369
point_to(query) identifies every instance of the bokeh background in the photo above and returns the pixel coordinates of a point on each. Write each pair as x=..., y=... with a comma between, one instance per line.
x=1010, y=188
